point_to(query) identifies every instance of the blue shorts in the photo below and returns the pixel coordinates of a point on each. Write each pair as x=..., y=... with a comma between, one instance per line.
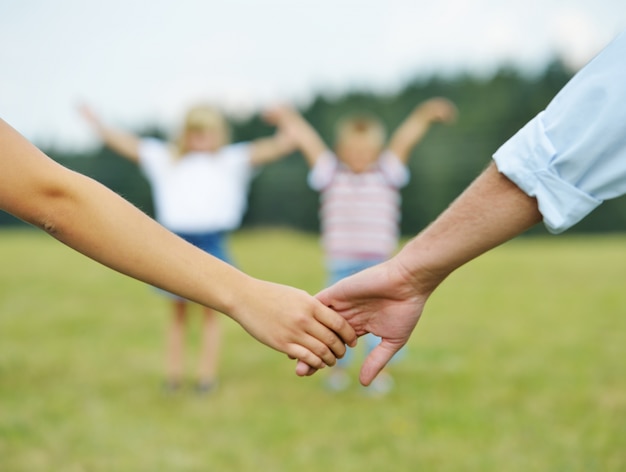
x=212, y=243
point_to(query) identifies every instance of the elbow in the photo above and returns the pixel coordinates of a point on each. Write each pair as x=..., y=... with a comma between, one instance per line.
x=53, y=208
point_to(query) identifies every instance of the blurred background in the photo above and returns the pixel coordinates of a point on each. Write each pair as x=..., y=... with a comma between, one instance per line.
x=140, y=64
x=518, y=365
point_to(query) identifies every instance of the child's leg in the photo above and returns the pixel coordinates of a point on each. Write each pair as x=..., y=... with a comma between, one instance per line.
x=175, y=341
x=211, y=337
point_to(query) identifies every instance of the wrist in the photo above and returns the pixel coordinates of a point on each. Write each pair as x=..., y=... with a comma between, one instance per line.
x=420, y=266
x=228, y=296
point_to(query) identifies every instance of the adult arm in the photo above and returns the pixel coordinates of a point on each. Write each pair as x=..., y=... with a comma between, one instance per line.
x=124, y=143
x=300, y=131
x=95, y=221
x=559, y=167
x=416, y=125
x=388, y=299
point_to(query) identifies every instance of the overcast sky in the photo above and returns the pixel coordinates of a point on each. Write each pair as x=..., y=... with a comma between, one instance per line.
x=145, y=61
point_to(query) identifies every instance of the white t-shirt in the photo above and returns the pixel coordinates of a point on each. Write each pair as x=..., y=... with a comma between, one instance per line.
x=200, y=191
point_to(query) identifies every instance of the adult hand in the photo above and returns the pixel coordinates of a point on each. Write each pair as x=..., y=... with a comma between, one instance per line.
x=382, y=300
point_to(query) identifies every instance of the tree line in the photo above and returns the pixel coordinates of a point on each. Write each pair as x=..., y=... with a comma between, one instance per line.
x=491, y=110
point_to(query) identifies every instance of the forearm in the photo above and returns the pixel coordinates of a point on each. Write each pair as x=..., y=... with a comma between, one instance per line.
x=123, y=143
x=103, y=226
x=304, y=136
x=266, y=150
x=92, y=219
x=410, y=132
x=491, y=211
x=113, y=232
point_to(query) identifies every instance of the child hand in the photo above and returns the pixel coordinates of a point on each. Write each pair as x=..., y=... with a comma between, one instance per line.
x=88, y=114
x=276, y=115
x=438, y=109
x=292, y=321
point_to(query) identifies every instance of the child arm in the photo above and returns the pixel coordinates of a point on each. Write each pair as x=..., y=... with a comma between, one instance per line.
x=299, y=131
x=95, y=221
x=266, y=150
x=123, y=143
x=416, y=125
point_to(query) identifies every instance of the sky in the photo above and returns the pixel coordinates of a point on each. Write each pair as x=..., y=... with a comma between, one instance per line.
x=140, y=62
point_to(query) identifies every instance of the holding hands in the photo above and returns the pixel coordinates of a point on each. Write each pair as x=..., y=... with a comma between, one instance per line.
x=291, y=321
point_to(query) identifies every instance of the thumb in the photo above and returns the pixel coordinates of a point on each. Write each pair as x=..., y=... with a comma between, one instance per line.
x=376, y=361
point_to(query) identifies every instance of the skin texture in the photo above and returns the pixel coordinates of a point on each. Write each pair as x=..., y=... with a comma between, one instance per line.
x=95, y=221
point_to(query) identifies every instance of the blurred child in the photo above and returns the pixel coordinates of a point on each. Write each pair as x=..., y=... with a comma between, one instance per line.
x=199, y=186
x=360, y=185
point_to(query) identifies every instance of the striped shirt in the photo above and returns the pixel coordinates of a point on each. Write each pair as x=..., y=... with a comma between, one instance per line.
x=359, y=212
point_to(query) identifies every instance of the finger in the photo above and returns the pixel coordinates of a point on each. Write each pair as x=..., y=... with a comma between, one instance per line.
x=325, y=296
x=322, y=349
x=306, y=357
x=315, y=338
x=337, y=324
x=325, y=343
x=375, y=362
x=303, y=369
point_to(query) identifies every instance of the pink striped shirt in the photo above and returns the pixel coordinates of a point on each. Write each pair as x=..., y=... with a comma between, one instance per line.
x=359, y=212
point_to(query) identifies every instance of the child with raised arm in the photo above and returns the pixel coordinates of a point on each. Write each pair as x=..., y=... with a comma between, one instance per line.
x=360, y=183
x=98, y=223
x=199, y=186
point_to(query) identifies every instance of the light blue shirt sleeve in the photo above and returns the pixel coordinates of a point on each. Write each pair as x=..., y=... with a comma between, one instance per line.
x=572, y=155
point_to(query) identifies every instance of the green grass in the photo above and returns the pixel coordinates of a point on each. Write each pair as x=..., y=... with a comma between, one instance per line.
x=517, y=365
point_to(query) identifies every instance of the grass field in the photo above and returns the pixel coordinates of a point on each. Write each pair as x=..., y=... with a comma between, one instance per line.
x=517, y=365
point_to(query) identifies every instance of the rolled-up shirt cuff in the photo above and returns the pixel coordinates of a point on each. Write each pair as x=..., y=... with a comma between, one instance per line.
x=526, y=160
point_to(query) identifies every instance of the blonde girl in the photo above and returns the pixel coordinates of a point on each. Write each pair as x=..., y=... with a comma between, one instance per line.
x=199, y=183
